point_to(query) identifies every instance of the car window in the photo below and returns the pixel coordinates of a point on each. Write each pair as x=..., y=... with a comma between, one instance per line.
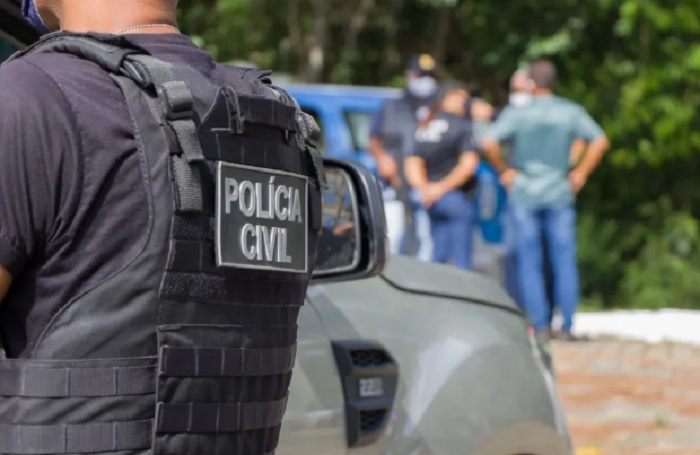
x=6, y=49
x=359, y=123
x=317, y=117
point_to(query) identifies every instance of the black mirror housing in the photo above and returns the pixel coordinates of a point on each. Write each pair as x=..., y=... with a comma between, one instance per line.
x=343, y=257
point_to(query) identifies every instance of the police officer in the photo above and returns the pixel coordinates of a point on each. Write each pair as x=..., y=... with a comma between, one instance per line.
x=391, y=138
x=442, y=168
x=158, y=223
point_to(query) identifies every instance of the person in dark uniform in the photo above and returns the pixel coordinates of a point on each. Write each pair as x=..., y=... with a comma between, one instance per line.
x=152, y=267
x=391, y=138
x=442, y=167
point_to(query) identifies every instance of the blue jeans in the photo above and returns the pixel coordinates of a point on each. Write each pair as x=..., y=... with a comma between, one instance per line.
x=452, y=226
x=421, y=230
x=558, y=226
x=397, y=227
x=512, y=283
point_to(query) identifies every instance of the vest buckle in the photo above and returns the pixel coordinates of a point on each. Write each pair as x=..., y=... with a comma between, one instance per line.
x=176, y=100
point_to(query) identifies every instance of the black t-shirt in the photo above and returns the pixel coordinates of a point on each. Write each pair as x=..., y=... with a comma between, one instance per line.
x=442, y=143
x=72, y=199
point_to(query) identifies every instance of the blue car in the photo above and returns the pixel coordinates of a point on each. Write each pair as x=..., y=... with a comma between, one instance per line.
x=345, y=115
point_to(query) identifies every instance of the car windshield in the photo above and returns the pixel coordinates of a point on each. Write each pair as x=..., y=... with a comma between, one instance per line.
x=359, y=124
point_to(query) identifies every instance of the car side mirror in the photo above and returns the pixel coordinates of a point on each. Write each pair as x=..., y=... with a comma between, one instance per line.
x=353, y=243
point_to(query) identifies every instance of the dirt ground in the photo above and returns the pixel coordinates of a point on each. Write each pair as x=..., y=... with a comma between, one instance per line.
x=630, y=398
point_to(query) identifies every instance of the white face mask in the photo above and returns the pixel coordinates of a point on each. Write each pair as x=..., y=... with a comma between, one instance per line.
x=422, y=87
x=519, y=98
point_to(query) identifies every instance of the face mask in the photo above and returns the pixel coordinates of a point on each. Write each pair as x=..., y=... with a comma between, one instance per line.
x=519, y=98
x=422, y=87
x=31, y=14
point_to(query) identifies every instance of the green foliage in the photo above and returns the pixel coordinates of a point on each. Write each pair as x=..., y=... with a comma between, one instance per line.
x=634, y=64
x=667, y=270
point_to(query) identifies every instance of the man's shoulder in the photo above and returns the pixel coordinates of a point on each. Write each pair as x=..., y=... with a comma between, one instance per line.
x=33, y=105
x=566, y=103
x=457, y=122
x=387, y=108
x=35, y=78
x=20, y=76
x=509, y=111
x=398, y=102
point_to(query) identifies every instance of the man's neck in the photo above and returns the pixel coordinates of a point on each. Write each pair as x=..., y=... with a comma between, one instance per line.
x=542, y=91
x=110, y=16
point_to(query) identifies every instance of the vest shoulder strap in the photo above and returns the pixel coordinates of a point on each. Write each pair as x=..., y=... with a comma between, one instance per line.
x=108, y=51
x=120, y=57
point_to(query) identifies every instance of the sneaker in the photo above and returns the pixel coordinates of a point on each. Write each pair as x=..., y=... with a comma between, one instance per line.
x=543, y=336
x=566, y=336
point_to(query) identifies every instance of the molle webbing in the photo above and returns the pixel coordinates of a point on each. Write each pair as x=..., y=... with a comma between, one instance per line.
x=77, y=380
x=32, y=389
x=75, y=439
x=226, y=338
x=208, y=357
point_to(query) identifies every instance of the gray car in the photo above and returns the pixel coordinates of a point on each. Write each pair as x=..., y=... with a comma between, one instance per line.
x=398, y=357
x=416, y=358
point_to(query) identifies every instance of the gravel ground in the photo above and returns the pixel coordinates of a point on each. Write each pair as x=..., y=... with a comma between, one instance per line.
x=631, y=397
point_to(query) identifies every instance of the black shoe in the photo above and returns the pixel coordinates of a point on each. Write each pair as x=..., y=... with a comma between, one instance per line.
x=566, y=336
x=543, y=336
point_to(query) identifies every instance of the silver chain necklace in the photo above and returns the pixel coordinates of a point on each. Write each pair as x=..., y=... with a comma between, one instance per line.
x=137, y=27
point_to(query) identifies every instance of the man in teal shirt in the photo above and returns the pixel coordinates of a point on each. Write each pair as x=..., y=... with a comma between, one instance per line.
x=542, y=189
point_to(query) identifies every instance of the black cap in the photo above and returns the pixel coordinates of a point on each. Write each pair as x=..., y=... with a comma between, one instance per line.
x=448, y=86
x=454, y=85
x=424, y=64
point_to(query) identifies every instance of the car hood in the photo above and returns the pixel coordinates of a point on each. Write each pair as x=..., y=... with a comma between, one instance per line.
x=446, y=281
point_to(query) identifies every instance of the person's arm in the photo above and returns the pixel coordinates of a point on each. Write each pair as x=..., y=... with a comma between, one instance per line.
x=468, y=160
x=376, y=147
x=460, y=174
x=598, y=144
x=416, y=175
x=500, y=131
x=387, y=168
x=492, y=150
x=578, y=147
x=593, y=155
x=38, y=151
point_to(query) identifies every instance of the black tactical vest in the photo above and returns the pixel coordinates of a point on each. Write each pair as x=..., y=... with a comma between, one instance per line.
x=189, y=348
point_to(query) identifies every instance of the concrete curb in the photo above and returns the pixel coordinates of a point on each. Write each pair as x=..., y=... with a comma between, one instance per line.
x=666, y=325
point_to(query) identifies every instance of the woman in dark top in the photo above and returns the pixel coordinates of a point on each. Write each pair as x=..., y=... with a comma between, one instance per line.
x=441, y=168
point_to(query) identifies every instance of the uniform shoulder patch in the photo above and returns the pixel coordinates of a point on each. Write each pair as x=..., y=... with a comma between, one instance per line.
x=261, y=219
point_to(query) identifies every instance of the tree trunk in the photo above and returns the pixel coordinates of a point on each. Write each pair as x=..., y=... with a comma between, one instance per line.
x=317, y=51
x=443, y=32
x=342, y=72
x=295, y=37
x=391, y=55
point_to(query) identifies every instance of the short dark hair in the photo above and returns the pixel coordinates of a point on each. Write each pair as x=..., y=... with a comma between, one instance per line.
x=543, y=73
